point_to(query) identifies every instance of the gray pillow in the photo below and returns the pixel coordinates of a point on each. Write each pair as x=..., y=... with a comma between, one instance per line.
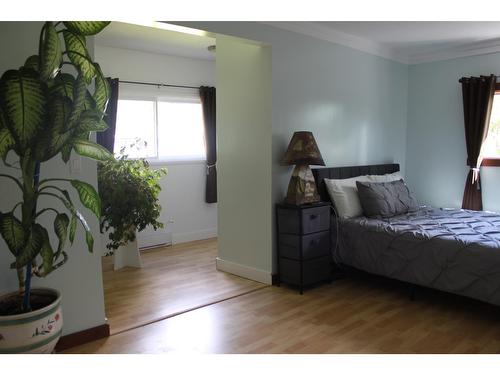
x=385, y=199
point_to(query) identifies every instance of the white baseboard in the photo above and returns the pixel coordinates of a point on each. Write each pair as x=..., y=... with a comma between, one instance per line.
x=251, y=273
x=194, y=236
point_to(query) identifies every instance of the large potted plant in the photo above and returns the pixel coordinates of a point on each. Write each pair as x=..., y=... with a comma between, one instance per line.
x=45, y=113
x=129, y=190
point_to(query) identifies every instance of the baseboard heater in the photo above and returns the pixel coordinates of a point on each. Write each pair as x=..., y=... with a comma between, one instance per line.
x=149, y=241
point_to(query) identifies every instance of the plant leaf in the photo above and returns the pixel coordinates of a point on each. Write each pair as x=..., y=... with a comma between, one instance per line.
x=55, y=136
x=91, y=150
x=32, y=246
x=90, y=241
x=61, y=223
x=23, y=100
x=76, y=47
x=46, y=252
x=102, y=89
x=6, y=143
x=79, y=96
x=89, y=101
x=88, y=196
x=82, y=221
x=63, y=86
x=12, y=232
x=91, y=121
x=32, y=62
x=66, y=152
x=88, y=234
x=86, y=27
x=72, y=229
x=50, y=52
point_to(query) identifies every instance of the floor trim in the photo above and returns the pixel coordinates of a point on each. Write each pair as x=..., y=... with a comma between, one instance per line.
x=244, y=271
x=82, y=337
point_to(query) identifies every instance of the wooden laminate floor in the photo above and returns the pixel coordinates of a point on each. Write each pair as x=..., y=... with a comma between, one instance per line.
x=173, y=279
x=359, y=314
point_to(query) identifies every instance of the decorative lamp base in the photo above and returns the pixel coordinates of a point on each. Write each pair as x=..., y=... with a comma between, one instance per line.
x=302, y=187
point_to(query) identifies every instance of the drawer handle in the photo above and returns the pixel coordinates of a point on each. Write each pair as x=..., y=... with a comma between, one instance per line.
x=312, y=217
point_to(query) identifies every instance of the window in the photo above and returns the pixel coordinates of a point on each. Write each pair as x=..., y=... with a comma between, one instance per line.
x=160, y=128
x=491, y=146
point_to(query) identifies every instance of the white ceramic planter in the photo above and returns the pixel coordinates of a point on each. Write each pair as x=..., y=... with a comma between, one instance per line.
x=34, y=332
x=127, y=256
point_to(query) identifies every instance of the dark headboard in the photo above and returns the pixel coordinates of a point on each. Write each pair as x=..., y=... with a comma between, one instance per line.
x=348, y=172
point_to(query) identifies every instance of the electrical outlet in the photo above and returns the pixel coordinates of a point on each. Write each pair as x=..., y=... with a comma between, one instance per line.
x=171, y=220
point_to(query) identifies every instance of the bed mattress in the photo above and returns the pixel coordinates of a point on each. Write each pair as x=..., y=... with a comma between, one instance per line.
x=453, y=250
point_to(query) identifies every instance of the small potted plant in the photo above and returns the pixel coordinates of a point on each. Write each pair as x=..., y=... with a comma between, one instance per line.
x=129, y=191
x=45, y=113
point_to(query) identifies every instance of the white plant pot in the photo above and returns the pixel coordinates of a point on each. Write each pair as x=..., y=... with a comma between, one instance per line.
x=127, y=256
x=34, y=332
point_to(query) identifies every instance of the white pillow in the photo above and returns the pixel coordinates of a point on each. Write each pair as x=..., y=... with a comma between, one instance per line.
x=389, y=177
x=344, y=194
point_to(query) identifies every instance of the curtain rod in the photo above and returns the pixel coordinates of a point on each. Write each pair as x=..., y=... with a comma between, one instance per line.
x=159, y=84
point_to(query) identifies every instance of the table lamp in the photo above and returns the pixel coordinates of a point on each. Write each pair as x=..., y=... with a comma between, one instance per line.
x=302, y=152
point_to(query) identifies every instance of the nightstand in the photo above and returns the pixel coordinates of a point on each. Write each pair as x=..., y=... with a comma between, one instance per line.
x=304, y=255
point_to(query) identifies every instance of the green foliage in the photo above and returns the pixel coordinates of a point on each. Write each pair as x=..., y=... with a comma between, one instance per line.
x=88, y=196
x=44, y=113
x=13, y=232
x=23, y=101
x=50, y=53
x=86, y=27
x=129, y=191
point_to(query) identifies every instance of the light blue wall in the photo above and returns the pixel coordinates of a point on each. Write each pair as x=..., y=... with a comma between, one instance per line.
x=436, y=154
x=353, y=102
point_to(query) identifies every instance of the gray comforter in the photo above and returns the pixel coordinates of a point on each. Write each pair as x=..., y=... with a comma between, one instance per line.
x=452, y=250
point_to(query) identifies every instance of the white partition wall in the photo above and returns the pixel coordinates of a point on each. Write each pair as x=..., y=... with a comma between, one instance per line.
x=80, y=280
x=244, y=165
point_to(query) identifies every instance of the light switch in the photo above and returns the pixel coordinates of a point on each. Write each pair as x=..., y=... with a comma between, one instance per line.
x=75, y=166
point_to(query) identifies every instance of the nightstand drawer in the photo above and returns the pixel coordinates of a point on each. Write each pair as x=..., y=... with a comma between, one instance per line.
x=312, y=245
x=310, y=220
x=313, y=271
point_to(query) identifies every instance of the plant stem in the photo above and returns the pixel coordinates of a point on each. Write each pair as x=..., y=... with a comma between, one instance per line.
x=13, y=179
x=54, y=179
x=47, y=209
x=27, y=283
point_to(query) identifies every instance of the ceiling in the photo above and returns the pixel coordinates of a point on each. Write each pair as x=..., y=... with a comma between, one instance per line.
x=407, y=42
x=155, y=40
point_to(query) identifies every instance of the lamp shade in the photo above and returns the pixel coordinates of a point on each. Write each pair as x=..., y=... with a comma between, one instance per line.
x=302, y=150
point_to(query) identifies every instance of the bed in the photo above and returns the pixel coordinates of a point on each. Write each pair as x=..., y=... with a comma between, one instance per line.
x=452, y=250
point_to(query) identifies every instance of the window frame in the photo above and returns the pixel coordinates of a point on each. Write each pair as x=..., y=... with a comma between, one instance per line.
x=164, y=98
x=492, y=162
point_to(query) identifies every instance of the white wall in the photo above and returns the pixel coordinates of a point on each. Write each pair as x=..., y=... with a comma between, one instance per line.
x=183, y=189
x=80, y=280
x=244, y=172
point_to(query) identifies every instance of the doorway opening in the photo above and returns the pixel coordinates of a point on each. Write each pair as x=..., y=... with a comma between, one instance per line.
x=173, y=269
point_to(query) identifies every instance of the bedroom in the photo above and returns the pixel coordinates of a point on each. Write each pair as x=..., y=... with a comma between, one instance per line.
x=363, y=109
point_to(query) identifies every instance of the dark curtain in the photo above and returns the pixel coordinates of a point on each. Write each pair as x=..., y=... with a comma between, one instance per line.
x=107, y=138
x=478, y=94
x=207, y=96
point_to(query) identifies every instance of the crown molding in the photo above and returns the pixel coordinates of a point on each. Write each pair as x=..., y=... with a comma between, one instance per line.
x=470, y=49
x=328, y=34
x=338, y=37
